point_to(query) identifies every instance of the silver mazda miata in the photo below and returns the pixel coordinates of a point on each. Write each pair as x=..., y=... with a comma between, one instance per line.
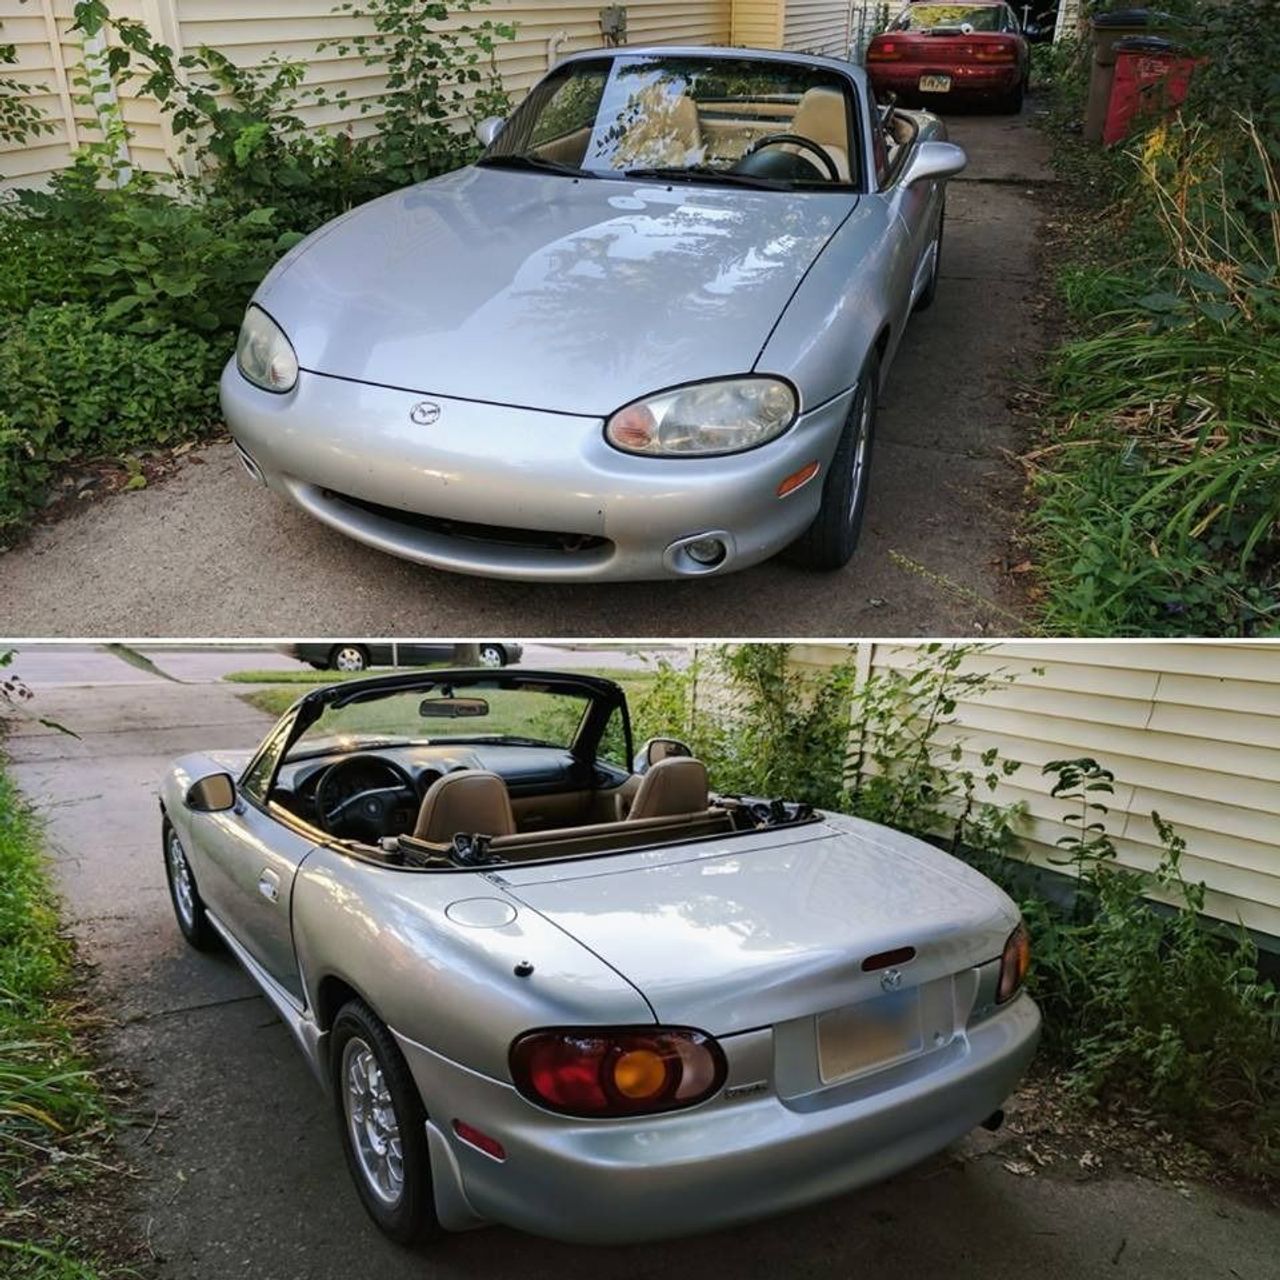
x=553, y=985
x=641, y=337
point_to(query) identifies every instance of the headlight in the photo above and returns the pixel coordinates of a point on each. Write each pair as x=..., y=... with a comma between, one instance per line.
x=707, y=418
x=264, y=355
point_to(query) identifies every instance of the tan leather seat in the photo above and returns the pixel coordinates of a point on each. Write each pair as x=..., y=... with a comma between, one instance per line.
x=470, y=801
x=673, y=786
x=823, y=117
x=668, y=135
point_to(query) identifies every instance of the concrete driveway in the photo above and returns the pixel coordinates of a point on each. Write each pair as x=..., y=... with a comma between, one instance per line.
x=943, y=495
x=243, y=1175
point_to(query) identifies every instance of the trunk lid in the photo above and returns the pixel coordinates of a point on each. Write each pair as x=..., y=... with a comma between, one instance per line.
x=753, y=930
x=543, y=292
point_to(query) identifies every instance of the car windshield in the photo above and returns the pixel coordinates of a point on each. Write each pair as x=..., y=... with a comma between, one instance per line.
x=703, y=118
x=949, y=17
x=470, y=713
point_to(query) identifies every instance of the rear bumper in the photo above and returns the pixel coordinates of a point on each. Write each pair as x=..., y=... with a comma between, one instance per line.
x=728, y=1161
x=975, y=81
x=519, y=493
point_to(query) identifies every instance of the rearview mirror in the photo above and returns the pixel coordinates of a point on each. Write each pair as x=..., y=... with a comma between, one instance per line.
x=934, y=160
x=488, y=129
x=657, y=749
x=212, y=794
x=452, y=708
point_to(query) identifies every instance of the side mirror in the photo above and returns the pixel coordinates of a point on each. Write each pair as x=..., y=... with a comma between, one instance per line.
x=658, y=749
x=934, y=160
x=488, y=129
x=212, y=794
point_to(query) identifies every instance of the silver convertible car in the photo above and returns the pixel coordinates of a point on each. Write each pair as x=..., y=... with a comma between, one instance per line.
x=552, y=986
x=641, y=337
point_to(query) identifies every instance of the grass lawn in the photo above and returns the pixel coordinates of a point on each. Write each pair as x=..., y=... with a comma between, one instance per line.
x=51, y=1107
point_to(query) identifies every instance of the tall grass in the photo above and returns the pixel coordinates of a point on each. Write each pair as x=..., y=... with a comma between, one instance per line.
x=48, y=1095
x=1160, y=497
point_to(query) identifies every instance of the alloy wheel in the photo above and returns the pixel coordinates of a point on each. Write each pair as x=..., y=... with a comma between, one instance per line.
x=490, y=655
x=372, y=1121
x=184, y=893
x=861, y=447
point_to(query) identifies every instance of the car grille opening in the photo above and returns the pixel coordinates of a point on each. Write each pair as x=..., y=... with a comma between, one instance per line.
x=470, y=531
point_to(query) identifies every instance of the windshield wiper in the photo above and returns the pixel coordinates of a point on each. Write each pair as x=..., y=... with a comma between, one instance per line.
x=703, y=172
x=517, y=161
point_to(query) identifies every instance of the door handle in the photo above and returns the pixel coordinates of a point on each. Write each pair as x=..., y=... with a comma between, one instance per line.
x=269, y=885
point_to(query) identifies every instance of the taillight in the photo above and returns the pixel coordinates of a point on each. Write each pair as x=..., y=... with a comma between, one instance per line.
x=1014, y=964
x=883, y=52
x=590, y=1071
x=996, y=53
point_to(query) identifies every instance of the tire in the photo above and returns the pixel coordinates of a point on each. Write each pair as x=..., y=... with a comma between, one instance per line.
x=188, y=905
x=348, y=657
x=829, y=542
x=930, y=291
x=1012, y=103
x=493, y=655
x=366, y=1064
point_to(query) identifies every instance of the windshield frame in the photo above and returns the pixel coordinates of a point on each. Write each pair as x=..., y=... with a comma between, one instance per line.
x=858, y=171
x=602, y=697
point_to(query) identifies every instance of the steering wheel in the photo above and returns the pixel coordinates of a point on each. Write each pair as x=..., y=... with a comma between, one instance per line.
x=797, y=140
x=364, y=813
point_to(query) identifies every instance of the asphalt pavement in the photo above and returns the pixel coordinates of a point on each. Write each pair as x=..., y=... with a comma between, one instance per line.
x=208, y=553
x=242, y=1174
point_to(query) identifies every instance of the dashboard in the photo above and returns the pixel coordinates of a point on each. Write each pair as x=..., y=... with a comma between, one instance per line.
x=527, y=770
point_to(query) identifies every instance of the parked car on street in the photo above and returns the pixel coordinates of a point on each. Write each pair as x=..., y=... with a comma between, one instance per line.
x=359, y=655
x=556, y=983
x=938, y=53
x=641, y=337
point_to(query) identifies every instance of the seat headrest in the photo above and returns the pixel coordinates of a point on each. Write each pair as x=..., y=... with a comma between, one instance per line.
x=673, y=786
x=468, y=800
x=822, y=116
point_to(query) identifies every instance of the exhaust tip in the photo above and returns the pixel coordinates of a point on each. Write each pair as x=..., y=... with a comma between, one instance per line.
x=994, y=1120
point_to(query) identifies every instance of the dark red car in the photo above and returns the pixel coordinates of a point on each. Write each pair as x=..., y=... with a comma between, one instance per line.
x=933, y=53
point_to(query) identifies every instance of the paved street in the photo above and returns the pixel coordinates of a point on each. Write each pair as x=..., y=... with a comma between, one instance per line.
x=243, y=1174
x=207, y=553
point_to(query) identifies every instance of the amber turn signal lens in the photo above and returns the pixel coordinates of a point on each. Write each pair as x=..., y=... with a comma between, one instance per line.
x=639, y=1073
x=1014, y=964
x=797, y=478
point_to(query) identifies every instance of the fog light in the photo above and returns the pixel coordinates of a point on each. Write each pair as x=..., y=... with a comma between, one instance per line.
x=708, y=551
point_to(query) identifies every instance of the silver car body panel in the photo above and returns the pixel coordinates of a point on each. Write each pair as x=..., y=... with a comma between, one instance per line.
x=755, y=938
x=527, y=308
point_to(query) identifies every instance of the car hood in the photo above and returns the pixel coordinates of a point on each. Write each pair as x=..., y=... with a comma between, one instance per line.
x=755, y=930
x=537, y=290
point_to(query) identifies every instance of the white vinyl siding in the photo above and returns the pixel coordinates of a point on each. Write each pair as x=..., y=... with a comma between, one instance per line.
x=757, y=24
x=1191, y=731
x=818, y=26
x=251, y=31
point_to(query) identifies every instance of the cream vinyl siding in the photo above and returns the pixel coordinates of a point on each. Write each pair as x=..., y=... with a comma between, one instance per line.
x=757, y=24
x=818, y=26
x=1190, y=731
x=251, y=31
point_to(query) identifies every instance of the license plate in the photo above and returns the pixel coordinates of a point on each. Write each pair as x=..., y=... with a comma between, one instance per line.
x=935, y=84
x=874, y=1033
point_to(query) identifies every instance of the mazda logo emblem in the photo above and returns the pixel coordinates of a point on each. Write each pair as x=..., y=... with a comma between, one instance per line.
x=424, y=413
x=891, y=979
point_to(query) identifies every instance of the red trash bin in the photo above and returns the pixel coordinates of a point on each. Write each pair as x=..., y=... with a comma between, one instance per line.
x=1151, y=77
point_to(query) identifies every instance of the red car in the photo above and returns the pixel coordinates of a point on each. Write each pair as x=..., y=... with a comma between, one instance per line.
x=934, y=52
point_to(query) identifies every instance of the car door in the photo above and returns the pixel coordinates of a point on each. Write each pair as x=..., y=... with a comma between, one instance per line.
x=917, y=208
x=248, y=863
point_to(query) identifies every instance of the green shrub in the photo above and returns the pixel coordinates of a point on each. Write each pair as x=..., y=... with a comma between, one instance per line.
x=76, y=386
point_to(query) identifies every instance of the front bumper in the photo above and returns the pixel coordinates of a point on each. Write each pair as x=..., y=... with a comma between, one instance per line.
x=519, y=493
x=730, y=1160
